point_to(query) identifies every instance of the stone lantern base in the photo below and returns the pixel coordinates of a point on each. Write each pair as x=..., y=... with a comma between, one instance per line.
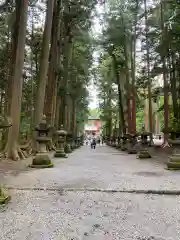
x=67, y=148
x=60, y=153
x=73, y=146
x=123, y=147
x=118, y=146
x=132, y=150
x=174, y=162
x=4, y=197
x=41, y=160
x=144, y=154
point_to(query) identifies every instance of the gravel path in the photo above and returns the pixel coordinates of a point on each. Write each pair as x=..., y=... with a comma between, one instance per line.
x=104, y=168
x=89, y=215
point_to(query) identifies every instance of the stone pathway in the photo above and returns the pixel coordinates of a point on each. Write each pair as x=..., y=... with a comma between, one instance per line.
x=75, y=200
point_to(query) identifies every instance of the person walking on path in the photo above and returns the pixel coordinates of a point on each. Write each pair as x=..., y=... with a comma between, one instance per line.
x=93, y=143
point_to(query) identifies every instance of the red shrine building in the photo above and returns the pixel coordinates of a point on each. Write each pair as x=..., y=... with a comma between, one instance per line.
x=93, y=126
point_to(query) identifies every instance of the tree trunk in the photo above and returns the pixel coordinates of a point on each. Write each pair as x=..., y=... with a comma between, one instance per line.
x=166, y=91
x=120, y=102
x=73, y=117
x=40, y=94
x=133, y=71
x=12, y=143
x=127, y=84
x=174, y=87
x=57, y=112
x=148, y=70
x=12, y=51
x=68, y=116
x=67, y=49
x=53, y=65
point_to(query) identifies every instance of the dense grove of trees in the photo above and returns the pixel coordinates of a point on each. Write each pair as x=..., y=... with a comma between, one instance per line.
x=45, y=66
x=139, y=45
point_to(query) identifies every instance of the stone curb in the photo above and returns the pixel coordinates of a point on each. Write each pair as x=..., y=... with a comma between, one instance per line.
x=138, y=191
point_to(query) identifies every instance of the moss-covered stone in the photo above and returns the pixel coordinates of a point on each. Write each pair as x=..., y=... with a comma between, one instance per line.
x=4, y=196
x=118, y=146
x=173, y=165
x=174, y=162
x=132, y=151
x=175, y=157
x=67, y=148
x=123, y=148
x=73, y=146
x=144, y=154
x=41, y=161
x=60, y=154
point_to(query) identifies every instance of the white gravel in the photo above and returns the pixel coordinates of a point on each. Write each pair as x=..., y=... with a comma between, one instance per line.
x=36, y=215
x=103, y=168
x=39, y=215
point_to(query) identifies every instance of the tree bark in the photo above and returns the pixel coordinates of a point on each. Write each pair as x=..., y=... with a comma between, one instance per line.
x=67, y=49
x=127, y=88
x=13, y=49
x=166, y=91
x=133, y=71
x=148, y=70
x=73, y=117
x=121, y=110
x=12, y=146
x=40, y=94
x=174, y=87
x=53, y=65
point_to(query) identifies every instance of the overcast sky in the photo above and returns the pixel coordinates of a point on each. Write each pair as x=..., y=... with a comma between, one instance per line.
x=96, y=29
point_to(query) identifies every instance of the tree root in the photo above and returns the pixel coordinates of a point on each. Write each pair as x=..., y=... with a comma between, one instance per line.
x=12, y=154
x=26, y=148
x=19, y=152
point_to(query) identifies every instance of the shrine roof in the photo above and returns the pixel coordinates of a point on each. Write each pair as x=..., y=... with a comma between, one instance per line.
x=93, y=118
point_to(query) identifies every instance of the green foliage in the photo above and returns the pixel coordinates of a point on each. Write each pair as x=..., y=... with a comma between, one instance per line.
x=94, y=112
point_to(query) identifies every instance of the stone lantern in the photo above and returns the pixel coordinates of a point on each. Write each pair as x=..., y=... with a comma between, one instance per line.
x=68, y=142
x=174, y=160
x=61, y=134
x=73, y=143
x=132, y=142
x=42, y=159
x=81, y=140
x=124, y=142
x=5, y=123
x=78, y=142
x=144, y=153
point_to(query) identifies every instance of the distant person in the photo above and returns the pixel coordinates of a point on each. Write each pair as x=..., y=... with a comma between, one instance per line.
x=93, y=143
